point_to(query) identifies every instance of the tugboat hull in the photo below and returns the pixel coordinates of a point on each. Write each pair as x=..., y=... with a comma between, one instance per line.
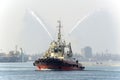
x=57, y=64
x=51, y=67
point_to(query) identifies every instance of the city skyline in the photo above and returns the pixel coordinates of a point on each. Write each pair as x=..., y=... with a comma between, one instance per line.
x=100, y=28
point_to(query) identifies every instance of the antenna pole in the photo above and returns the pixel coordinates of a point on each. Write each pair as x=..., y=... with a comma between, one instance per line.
x=59, y=31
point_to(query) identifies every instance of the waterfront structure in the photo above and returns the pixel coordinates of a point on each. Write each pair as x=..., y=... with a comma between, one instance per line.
x=87, y=52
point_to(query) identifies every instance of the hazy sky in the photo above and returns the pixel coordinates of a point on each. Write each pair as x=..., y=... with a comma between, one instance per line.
x=100, y=29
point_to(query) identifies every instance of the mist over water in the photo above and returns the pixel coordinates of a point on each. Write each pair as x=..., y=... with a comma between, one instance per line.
x=100, y=30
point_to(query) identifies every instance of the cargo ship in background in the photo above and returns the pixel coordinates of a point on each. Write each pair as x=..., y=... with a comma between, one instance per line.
x=58, y=56
x=14, y=56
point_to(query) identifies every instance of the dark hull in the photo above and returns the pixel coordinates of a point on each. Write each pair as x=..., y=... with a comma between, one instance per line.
x=57, y=64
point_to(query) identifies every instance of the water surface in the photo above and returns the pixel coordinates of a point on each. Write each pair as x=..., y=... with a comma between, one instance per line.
x=26, y=71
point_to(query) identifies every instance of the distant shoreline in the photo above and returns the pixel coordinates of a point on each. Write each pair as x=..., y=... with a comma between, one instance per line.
x=106, y=63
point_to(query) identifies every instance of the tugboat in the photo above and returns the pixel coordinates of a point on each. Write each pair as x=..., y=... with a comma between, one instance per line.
x=58, y=56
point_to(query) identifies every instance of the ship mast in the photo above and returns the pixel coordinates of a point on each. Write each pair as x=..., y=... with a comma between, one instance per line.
x=59, y=32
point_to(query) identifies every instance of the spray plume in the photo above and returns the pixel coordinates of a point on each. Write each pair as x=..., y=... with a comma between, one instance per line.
x=81, y=20
x=40, y=21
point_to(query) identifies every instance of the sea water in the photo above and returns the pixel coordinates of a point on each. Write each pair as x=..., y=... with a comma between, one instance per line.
x=26, y=71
